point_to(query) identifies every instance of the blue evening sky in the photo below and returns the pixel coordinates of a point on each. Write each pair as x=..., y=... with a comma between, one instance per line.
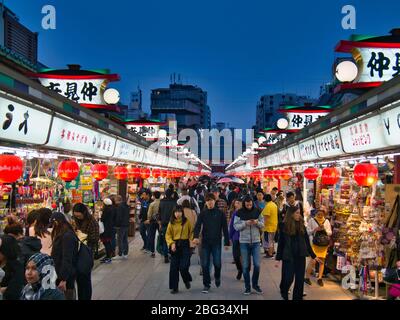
x=235, y=50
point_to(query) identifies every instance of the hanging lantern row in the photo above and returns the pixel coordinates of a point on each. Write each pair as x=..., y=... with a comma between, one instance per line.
x=311, y=174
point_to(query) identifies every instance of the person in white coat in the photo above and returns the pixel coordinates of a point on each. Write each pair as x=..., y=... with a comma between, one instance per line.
x=319, y=229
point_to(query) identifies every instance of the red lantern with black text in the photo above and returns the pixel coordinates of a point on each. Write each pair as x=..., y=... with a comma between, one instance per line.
x=365, y=174
x=311, y=173
x=330, y=176
x=121, y=173
x=68, y=170
x=285, y=174
x=100, y=171
x=11, y=168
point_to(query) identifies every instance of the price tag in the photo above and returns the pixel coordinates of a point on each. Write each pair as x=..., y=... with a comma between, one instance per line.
x=5, y=197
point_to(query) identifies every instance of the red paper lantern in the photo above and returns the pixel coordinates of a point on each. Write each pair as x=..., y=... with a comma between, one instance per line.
x=11, y=168
x=121, y=173
x=163, y=173
x=330, y=176
x=285, y=174
x=133, y=172
x=100, y=171
x=311, y=173
x=365, y=174
x=277, y=174
x=156, y=173
x=68, y=170
x=145, y=173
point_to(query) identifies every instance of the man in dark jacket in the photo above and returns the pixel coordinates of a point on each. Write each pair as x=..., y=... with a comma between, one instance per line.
x=108, y=219
x=28, y=245
x=122, y=216
x=144, y=208
x=167, y=206
x=214, y=224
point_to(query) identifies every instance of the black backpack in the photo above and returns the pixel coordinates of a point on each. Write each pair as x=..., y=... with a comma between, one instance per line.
x=85, y=261
x=321, y=238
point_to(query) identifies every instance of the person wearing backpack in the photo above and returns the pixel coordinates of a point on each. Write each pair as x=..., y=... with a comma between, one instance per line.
x=65, y=254
x=319, y=229
x=152, y=222
x=86, y=224
x=193, y=202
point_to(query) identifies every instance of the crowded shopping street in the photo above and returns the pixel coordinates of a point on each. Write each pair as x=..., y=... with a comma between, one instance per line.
x=162, y=153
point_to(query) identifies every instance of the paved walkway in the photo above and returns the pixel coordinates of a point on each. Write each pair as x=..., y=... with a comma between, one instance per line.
x=144, y=278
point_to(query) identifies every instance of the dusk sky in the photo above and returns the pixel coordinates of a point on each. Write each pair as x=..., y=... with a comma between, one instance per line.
x=235, y=50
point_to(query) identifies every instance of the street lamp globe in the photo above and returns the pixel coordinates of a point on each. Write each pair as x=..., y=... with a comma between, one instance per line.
x=162, y=134
x=254, y=145
x=174, y=143
x=282, y=123
x=261, y=140
x=111, y=96
x=346, y=71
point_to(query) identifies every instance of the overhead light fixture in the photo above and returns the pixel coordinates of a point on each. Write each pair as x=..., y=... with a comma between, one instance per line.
x=282, y=123
x=346, y=71
x=111, y=96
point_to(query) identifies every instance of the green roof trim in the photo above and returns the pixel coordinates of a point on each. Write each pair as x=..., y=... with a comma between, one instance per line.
x=68, y=107
x=360, y=37
x=102, y=71
x=8, y=81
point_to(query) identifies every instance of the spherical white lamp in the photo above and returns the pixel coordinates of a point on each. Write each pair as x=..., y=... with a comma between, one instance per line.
x=174, y=143
x=346, y=71
x=261, y=140
x=282, y=123
x=185, y=150
x=162, y=134
x=111, y=96
x=254, y=145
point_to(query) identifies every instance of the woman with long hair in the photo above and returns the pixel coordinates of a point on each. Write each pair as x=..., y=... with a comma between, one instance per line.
x=41, y=229
x=293, y=249
x=179, y=237
x=86, y=224
x=64, y=253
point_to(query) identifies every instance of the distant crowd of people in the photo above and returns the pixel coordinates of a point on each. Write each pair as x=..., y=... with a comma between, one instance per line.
x=245, y=218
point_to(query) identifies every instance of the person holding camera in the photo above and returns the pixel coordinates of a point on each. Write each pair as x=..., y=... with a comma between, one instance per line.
x=319, y=229
x=179, y=236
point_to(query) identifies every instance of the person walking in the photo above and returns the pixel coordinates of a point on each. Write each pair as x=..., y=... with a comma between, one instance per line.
x=319, y=229
x=87, y=225
x=108, y=218
x=270, y=214
x=192, y=201
x=234, y=236
x=122, y=216
x=213, y=222
x=167, y=206
x=199, y=197
x=220, y=203
x=293, y=248
x=189, y=212
x=179, y=236
x=260, y=202
x=144, y=207
x=65, y=254
x=152, y=222
x=11, y=269
x=249, y=221
x=38, y=267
